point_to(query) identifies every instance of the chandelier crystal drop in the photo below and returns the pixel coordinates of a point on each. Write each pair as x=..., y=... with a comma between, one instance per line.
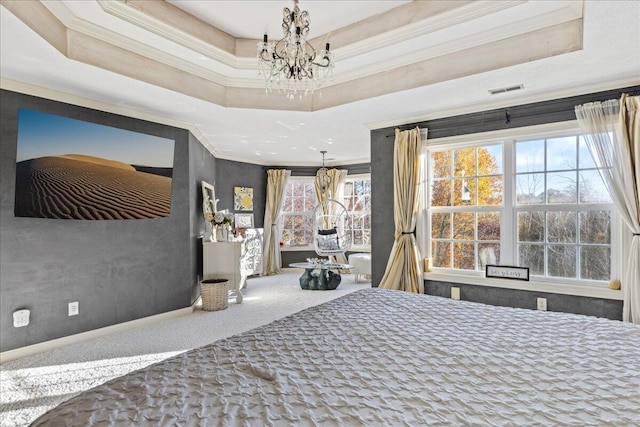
x=291, y=65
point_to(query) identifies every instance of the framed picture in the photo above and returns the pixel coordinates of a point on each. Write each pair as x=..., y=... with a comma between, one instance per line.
x=243, y=220
x=507, y=272
x=243, y=198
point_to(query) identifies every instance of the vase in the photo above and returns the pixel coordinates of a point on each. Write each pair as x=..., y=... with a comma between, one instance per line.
x=222, y=234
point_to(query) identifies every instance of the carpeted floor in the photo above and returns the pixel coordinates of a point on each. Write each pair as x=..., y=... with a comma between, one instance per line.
x=31, y=385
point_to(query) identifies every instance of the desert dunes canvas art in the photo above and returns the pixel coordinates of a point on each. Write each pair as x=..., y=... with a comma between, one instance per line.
x=72, y=169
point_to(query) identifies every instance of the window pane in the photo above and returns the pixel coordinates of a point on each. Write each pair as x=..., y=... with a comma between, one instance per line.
x=463, y=256
x=465, y=162
x=441, y=252
x=463, y=225
x=488, y=226
x=530, y=156
x=310, y=191
x=309, y=204
x=298, y=205
x=488, y=254
x=348, y=188
x=595, y=262
x=585, y=157
x=562, y=261
x=531, y=226
x=490, y=191
x=561, y=227
x=287, y=204
x=530, y=189
x=441, y=164
x=441, y=226
x=561, y=187
x=561, y=153
x=532, y=256
x=592, y=188
x=490, y=160
x=441, y=193
x=595, y=227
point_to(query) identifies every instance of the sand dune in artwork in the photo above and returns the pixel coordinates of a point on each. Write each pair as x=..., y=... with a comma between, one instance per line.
x=85, y=187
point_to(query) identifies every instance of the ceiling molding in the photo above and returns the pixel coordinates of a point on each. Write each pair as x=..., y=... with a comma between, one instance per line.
x=504, y=102
x=535, y=36
x=543, y=43
x=69, y=98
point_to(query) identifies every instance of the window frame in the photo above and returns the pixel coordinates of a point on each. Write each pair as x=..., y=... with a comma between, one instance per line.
x=360, y=177
x=508, y=138
x=309, y=247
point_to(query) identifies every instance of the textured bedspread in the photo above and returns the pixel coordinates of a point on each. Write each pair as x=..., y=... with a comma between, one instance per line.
x=386, y=358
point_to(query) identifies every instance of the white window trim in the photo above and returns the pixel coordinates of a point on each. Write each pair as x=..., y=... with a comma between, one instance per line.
x=619, y=251
x=359, y=177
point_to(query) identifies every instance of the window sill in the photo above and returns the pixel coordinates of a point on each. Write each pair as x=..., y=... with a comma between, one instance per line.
x=533, y=286
x=310, y=248
x=297, y=248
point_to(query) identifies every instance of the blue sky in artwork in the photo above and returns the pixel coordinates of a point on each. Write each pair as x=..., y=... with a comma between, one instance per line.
x=42, y=134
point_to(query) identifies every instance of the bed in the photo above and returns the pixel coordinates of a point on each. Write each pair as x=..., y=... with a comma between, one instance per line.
x=386, y=358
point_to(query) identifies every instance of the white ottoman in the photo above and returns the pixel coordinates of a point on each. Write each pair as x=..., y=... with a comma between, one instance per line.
x=360, y=265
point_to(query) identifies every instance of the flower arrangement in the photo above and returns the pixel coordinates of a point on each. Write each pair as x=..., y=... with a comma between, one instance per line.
x=219, y=218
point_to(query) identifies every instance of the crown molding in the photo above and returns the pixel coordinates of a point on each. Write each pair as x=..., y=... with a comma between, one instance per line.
x=506, y=102
x=68, y=98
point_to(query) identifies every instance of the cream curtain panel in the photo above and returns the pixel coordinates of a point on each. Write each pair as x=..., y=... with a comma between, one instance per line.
x=403, y=270
x=276, y=184
x=612, y=132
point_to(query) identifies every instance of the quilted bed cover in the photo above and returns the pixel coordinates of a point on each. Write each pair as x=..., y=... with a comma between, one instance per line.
x=386, y=358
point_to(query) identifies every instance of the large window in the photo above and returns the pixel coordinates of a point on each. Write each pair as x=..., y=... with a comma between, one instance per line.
x=299, y=201
x=466, y=202
x=538, y=203
x=563, y=210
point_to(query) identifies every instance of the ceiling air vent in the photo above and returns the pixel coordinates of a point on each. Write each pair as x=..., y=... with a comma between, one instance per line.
x=505, y=89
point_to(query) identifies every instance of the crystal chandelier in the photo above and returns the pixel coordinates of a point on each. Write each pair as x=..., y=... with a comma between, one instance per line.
x=323, y=179
x=292, y=65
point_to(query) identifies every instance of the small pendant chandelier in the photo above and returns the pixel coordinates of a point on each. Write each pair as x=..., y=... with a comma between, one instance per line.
x=292, y=65
x=323, y=180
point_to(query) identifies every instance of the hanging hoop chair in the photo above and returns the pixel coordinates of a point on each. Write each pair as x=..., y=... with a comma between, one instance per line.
x=333, y=229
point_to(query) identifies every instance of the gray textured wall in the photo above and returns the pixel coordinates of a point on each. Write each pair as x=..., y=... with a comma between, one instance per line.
x=382, y=226
x=610, y=309
x=231, y=174
x=382, y=141
x=117, y=270
x=202, y=167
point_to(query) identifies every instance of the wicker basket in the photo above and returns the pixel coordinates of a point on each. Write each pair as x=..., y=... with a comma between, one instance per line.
x=215, y=293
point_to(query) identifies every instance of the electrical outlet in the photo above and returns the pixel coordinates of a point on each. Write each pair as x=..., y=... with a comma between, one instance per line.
x=542, y=304
x=20, y=318
x=74, y=308
x=455, y=292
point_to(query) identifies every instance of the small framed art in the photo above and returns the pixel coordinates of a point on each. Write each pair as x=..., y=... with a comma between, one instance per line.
x=243, y=220
x=243, y=198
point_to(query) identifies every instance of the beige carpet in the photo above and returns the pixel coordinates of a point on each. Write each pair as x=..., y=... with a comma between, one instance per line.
x=31, y=385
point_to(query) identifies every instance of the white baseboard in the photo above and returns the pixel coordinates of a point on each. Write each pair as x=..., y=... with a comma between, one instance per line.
x=84, y=336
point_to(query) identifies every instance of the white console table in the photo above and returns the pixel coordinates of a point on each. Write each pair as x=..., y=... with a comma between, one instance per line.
x=221, y=260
